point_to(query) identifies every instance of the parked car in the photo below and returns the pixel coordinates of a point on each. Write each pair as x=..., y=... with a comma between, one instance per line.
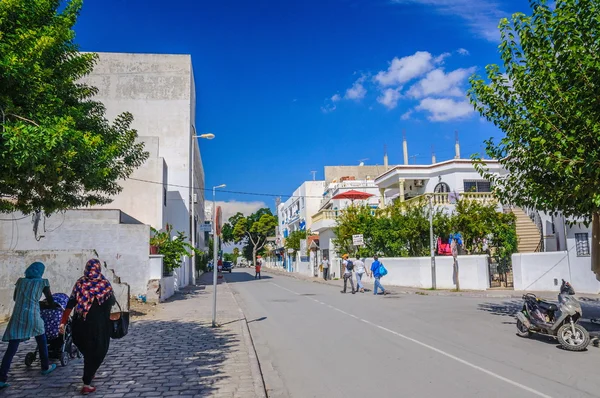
x=227, y=266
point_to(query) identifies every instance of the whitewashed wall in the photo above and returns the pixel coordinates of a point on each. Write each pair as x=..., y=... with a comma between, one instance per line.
x=416, y=272
x=544, y=271
x=63, y=268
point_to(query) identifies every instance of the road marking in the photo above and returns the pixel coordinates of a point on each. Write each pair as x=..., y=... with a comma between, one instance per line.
x=432, y=348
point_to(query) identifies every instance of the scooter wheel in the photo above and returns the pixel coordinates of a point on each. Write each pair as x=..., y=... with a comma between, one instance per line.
x=577, y=341
x=522, y=331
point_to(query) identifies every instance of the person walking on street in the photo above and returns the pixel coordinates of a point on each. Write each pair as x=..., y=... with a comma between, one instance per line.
x=325, y=265
x=348, y=267
x=359, y=268
x=92, y=297
x=257, y=267
x=26, y=321
x=377, y=275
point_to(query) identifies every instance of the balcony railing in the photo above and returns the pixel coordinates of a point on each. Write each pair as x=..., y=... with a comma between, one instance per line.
x=441, y=199
x=438, y=199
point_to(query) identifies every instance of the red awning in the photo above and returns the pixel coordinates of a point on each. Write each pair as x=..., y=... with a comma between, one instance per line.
x=353, y=195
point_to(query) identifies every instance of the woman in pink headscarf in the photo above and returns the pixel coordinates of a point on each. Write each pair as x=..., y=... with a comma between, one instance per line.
x=92, y=298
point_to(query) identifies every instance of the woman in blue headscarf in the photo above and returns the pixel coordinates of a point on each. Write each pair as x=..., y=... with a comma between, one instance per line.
x=26, y=321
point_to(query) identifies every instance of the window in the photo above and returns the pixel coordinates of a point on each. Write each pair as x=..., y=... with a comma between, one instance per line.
x=165, y=197
x=582, y=244
x=477, y=186
x=442, y=187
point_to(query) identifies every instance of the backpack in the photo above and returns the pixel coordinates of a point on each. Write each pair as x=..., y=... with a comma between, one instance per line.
x=382, y=271
x=349, y=265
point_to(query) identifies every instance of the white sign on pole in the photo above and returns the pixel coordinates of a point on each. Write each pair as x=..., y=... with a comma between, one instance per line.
x=205, y=227
x=357, y=240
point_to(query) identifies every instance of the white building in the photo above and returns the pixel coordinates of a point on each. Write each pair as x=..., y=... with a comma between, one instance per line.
x=295, y=214
x=159, y=91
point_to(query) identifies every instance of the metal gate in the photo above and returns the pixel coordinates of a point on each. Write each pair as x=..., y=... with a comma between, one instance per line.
x=500, y=276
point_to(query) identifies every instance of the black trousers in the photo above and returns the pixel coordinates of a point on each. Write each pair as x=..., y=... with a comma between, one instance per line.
x=325, y=273
x=257, y=275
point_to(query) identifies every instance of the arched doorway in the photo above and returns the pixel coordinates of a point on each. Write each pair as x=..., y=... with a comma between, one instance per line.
x=442, y=187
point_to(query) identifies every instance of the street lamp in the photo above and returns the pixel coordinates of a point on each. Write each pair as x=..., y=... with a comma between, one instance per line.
x=215, y=252
x=207, y=136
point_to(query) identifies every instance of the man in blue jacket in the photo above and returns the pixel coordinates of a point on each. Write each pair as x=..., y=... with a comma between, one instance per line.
x=375, y=272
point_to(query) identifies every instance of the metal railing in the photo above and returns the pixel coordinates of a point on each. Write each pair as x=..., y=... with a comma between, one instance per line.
x=534, y=215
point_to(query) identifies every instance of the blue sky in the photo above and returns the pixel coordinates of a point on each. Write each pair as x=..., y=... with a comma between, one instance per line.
x=290, y=86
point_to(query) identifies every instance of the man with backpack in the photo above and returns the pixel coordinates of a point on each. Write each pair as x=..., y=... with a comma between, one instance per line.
x=348, y=267
x=378, y=271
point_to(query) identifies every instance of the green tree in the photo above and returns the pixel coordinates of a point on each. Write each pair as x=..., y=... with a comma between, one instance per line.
x=172, y=247
x=294, y=238
x=57, y=150
x=546, y=100
x=254, y=230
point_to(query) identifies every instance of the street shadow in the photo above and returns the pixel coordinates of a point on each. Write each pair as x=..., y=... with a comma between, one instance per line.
x=507, y=308
x=262, y=318
x=244, y=276
x=156, y=356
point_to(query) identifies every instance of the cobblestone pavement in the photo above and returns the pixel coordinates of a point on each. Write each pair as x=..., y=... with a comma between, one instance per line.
x=172, y=352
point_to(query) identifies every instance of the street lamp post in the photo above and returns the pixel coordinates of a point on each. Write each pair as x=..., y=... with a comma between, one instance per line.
x=215, y=254
x=207, y=136
x=431, y=245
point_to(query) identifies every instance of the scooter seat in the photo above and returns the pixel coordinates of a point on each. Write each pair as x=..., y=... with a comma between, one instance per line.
x=544, y=305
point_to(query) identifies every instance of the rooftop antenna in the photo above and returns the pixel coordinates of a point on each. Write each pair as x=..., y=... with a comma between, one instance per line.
x=413, y=157
x=456, y=146
x=362, y=161
x=314, y=173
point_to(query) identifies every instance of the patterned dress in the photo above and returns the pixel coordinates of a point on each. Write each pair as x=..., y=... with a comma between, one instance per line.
x=26, y=321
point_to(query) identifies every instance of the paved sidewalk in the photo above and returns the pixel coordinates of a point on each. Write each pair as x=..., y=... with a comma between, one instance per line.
x=368, y=282
x=171, y=352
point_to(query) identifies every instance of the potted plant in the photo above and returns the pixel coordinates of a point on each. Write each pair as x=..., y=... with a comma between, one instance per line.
x=172, y=248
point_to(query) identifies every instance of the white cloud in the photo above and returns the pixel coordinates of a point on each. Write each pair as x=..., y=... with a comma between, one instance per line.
x=463, y=51
x=406, y=68
x=328, y=108
x=406, y=115
x=444, y=109
x=481, y=16
x=440, y=58
x=390, y=97
x=233, y=207
x=437, y=82
x=336, y=98
x=357, y=91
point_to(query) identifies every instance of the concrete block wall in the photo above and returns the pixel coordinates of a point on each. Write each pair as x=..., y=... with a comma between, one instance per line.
x=416, y=272
x=544, y=272
x=63, y=268
x=124, y=247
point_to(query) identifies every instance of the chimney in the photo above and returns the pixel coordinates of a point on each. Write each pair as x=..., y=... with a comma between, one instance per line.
x=433, y=159
x=404, y=147
x=456, y=146
x=385, y=157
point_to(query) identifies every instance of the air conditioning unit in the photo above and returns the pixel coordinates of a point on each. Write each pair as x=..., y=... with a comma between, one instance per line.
x=419, y=183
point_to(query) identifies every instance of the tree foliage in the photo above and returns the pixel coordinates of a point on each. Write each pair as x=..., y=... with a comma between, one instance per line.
x=398, y=231
x=294, y=238
x=546, y=99
x=57, y=150
x=173, y=248
x=252, y=231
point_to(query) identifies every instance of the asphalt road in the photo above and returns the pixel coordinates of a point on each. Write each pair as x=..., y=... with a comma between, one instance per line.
x=313, y=341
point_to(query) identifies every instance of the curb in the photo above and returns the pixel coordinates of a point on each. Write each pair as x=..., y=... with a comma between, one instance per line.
x=260, y=388
x=443, y=293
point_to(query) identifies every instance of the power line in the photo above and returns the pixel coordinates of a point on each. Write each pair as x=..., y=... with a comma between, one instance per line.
x=13, y=219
